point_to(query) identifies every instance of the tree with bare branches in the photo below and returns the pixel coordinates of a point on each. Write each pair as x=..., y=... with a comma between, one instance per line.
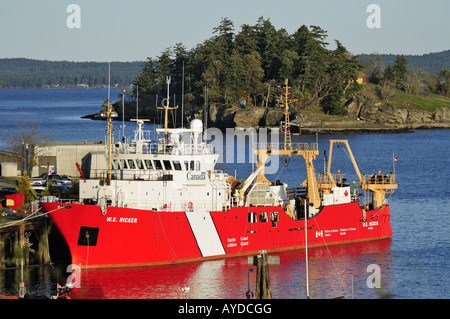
x=21, y=141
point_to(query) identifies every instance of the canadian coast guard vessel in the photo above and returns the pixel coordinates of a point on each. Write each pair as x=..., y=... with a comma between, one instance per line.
x=163, y=202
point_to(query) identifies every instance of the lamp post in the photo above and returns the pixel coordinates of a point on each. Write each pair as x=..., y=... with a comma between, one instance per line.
x=26, y=158
x=123, y=115
x=249, y=293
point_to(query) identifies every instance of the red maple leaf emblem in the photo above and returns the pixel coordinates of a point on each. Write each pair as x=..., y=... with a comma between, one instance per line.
x=346, y=193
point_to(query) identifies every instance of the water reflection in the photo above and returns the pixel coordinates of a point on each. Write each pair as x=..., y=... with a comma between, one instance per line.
x=333, y=270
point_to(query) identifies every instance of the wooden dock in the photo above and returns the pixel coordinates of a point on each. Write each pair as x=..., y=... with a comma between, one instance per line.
x=26, y=239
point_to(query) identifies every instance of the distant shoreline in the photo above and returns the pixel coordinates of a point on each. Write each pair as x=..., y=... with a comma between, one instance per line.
x=67, y=88
x=332, y=129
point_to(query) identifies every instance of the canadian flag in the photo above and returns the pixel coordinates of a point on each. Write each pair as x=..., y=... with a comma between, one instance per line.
x=395, y=157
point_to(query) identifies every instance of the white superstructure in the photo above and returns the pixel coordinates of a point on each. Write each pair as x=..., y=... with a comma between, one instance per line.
x=169, y=175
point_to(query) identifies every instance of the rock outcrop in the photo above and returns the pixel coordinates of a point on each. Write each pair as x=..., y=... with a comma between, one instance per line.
x=366, y=112
x=244, y=117
x=365, y=108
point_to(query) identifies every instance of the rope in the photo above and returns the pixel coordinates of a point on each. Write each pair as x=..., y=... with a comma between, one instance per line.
x=32, y=216
x=331, y=257
x=20, y=220
x=165, y=236
x=345, y=151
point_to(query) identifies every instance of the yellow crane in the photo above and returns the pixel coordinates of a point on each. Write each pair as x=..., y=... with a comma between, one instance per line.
x=378, y=184
x=320, y=184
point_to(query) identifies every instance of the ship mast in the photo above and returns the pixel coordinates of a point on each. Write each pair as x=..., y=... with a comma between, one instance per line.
x=109, y=115
x=286, y=125
x=308, y=151
x=166, y=107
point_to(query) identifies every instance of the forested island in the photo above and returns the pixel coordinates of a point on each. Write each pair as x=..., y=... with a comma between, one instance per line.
x=239, y=75
x=236, y=76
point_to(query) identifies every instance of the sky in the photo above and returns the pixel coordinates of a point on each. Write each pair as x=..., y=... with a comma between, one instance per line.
x=132, y=30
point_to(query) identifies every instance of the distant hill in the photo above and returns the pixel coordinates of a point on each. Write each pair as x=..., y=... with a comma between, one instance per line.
x=29, y=73
x=431, y=62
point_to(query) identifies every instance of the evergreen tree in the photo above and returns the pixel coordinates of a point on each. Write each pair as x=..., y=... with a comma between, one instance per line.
x=24, y=186
x=224, y=40
x=399, y=69
x=147, y=79
x=311, y=69
x=342, y=71
x=271, y=43
x=250, y=63
x=388, y=74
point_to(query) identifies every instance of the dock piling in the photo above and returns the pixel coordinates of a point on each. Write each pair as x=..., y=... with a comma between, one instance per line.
x=263, y=289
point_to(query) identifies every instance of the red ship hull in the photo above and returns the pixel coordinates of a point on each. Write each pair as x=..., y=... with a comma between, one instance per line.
x=131, y=237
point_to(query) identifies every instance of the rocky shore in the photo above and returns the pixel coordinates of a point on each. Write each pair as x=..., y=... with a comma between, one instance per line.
x=366, y=113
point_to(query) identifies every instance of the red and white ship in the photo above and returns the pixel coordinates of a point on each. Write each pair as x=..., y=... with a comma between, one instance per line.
x=164, y=202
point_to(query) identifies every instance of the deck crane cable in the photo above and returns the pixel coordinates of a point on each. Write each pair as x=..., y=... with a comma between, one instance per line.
x=332, y=260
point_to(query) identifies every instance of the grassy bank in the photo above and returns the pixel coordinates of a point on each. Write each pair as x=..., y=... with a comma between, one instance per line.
x=426, y=102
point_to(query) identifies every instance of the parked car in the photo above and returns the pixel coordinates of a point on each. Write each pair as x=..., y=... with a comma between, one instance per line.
x=62, y=187
x=41, y=179
x=38, y=188
x=59, y=178
x=66, y=178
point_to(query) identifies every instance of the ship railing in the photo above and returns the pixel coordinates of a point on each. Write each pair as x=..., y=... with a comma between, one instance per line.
x=130, y=174
x=164, y=149
x=234, y=201
x=379, y=179
x=145, y=136
x=324, y=179
x=276, y=146
x=295, y=192
x=55, y=199
x=186, y=149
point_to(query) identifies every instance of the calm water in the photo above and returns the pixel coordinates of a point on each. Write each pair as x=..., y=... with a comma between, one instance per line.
x=414, y=264
x=56, y=112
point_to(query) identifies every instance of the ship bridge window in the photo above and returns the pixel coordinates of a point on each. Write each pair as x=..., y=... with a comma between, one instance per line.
x=158, y=164
x=197, y=166
x=148, y=164
x=177, y=165
x=167, y=165
x=131, y=164
x=252, y=218
x=274, y=218
x=116, y=164
x=189, y=165
x=139, y=164
x=123, y=164
x=263, y=217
